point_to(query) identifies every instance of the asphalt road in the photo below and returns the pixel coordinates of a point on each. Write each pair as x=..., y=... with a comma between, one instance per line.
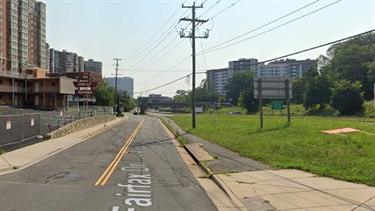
x=148, y=174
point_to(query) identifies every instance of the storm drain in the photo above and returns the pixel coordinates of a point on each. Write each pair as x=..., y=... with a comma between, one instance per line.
x=257, y=203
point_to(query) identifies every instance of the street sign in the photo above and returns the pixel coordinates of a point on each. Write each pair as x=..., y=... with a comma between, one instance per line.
x=85, y=84
x=277, y=105
x=85, y=92
x=272, y=87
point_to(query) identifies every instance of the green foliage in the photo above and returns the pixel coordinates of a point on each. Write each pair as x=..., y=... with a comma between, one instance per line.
x=182, y=96
x=247, y=101
x=298, y=87
x=353, y=60
x=126, y=101
x=369, y=108
x=238, y=83
x=299, y=145
x=347, y=97
x=105, y=95
x=317, y=92
x=203, y=93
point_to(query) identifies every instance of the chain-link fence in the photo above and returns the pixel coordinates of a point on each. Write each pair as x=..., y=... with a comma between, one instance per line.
x=20, y=127
x=17, y=128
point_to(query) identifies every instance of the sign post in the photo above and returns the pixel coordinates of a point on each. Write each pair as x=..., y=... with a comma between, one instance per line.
x=272, y=88
x=85, y=82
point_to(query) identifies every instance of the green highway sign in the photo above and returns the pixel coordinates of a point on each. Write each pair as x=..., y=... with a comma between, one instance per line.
x=277, y=105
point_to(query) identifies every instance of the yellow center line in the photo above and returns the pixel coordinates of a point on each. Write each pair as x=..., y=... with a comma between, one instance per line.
x=108, y=172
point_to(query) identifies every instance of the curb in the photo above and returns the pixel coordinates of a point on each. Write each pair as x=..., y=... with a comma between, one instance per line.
x=217, y=181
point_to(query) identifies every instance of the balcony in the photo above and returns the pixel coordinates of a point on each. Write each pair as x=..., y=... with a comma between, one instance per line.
x=7, y=88
x=43, y=90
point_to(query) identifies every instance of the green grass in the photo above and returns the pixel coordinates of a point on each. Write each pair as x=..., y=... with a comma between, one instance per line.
x=298, y=145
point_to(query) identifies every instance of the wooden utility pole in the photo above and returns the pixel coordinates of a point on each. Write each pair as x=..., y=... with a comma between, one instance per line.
x=116, y=95
x=191, y=35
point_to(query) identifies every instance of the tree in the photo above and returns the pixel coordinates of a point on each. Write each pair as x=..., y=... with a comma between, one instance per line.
x=317, y=92
x=204, y=93
x=247, y=100
x=126, y=101
x=182, y=96
x=299, y=85
x=347, y=97
x=238, y=83
x=352, y=60
x=105, y=95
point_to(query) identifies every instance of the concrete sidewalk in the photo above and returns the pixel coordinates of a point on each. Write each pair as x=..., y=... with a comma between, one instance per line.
x=29, y=155
x=287, y=189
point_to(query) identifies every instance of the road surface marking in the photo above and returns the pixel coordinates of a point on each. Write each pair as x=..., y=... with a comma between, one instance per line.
x=108, y=172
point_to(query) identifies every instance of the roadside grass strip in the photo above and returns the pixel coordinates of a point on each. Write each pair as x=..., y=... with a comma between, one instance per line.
x=300, y=144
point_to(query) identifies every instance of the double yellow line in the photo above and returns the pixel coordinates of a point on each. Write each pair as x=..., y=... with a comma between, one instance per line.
x=108, y=172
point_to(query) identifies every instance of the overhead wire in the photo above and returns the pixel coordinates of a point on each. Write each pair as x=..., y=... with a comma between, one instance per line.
x=209, y=51
x=132, y=54
x=264, y=25
x=273, y=59
x=212, y=49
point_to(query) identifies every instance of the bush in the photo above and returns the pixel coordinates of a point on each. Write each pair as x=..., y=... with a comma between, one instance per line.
x=347, y=97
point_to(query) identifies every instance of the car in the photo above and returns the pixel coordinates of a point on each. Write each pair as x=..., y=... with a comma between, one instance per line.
x=235, y=112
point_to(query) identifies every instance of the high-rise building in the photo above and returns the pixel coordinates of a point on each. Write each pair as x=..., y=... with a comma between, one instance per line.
x=218, y=78
x=64, y=61
x=93, y=66
x=123, y=84
x=25, y=39
x=3, y=36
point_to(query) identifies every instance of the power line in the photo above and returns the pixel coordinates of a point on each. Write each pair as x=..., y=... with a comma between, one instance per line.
x=269, y=60
x=276, y=27
x=225, y=9
x=264, y=25
x=165, y=70
x=209, y=50
x=132, y=54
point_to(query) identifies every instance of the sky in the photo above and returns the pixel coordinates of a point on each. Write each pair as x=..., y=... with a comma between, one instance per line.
x=145, y=34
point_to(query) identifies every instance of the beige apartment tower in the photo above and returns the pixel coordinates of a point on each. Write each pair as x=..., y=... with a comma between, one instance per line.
x=25, y=42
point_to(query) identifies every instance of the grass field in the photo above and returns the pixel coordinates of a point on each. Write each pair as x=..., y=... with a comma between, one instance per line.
x=298, y=145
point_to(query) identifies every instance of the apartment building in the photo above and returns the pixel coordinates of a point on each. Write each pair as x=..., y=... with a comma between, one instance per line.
x=3, y=36
x=285, y=68
x=64, y=61
x=218, y=78
x=93, y=66
x=24, y=39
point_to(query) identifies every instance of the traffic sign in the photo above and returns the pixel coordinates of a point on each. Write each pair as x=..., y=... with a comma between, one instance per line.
x=277, y=105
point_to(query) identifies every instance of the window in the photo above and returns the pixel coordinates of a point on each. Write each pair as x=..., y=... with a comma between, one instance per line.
x=53, y=83
x=1, y=81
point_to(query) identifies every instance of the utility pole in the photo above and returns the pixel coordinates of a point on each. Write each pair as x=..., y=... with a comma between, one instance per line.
x=192, y=36
x=117, y=99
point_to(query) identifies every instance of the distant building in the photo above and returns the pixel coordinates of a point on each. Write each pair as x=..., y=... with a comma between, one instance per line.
x=218, y=78
x=157, y=98
x=93, y=66
x=65, y=62
x=285, y=68
x=124, y=84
